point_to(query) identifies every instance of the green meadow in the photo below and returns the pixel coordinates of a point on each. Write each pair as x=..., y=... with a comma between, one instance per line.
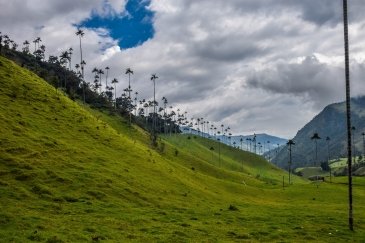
x=70, y=173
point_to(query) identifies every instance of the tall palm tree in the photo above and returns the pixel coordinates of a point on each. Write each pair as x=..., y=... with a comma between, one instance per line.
x=328, y=156
x=135, y=103
x=316, y=137
x=26, y=46
x=100, y=72
x=153, y=78
x=106, y=78
x=363, y=144
x=164, y=115
x=1, y=41
x=64, y=58
x=36, y=43
x=290, y=143
x=219, y=149
x=80, y=33
x=115, y=81
x=353, y=143
x=348, y=112
x=254, y=140
x=129, y=72
x=70, y=50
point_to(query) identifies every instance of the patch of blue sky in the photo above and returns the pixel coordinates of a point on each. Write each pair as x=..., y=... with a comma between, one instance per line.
x=130, y=28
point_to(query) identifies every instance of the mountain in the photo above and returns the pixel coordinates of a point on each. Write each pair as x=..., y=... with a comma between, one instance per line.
x=268, y=142
x=331, y=122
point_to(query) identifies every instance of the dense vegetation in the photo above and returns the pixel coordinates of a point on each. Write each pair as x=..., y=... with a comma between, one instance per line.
x=72, y=173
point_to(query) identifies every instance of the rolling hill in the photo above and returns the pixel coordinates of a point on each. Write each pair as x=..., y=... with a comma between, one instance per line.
x=69, y=173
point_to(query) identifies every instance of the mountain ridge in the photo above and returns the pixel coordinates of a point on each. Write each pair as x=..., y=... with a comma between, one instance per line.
x=331, y=123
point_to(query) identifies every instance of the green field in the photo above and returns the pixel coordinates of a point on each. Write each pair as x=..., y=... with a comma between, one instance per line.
x=69, y=173
x=341, y=163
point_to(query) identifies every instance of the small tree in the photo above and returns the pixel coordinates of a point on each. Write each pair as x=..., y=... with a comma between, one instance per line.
x=290, y=143
x=315, y=137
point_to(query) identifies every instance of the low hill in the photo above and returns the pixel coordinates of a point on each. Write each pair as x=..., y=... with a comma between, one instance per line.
x=331, y=122
x=69, y=173
x=243, y=141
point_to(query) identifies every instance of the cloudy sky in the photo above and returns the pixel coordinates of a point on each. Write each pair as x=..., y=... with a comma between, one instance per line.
x=255, y=65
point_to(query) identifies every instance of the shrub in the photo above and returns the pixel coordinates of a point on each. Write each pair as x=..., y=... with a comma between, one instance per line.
x=233, y=208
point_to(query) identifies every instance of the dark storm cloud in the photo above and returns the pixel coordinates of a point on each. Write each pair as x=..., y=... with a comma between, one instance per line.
x=316, y=81
x=319, y=12
x=227, y=50
x=328, y=11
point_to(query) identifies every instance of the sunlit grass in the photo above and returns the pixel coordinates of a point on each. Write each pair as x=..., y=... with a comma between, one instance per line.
x=69, y=174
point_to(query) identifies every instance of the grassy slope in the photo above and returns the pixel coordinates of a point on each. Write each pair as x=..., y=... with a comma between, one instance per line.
x=68, y=173
x=336, y=165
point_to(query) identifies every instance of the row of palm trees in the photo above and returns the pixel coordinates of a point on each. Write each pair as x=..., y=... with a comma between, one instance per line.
x=166, y=115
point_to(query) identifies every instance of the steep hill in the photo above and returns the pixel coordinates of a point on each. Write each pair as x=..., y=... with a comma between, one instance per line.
x=331, y=122
x=72, y=174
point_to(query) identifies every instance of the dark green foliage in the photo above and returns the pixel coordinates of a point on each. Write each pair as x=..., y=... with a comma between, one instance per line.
x=325, y=166
x=161, y=147
x=233, y=208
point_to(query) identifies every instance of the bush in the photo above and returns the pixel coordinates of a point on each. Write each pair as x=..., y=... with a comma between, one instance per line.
x=233, y=208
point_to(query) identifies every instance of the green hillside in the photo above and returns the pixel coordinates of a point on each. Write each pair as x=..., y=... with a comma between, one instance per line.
x=72, y=174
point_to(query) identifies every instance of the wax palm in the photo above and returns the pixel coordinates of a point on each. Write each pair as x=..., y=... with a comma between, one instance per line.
x=153, y=79
x=316, y=137
x=80, y=33
x=290, y=143
x=115, y=81
x=348, y=112
x=129, y=72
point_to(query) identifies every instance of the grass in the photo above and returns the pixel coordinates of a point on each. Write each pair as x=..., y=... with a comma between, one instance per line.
x=342, y=162
x=72, y=174
x=307, y=172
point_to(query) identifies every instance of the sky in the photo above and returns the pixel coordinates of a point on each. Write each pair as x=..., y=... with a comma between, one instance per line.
x=257, y=66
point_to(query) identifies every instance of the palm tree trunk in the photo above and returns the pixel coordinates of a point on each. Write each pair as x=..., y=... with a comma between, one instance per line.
x=289, y=163
x=348, y=114
x=316, y=153
x=82, y=72
x=115, y=96
x=82, y=65
x=129, y=85
x=154, y=107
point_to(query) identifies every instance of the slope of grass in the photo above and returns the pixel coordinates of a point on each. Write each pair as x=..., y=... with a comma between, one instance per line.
x=307, y=172
x=72, y=174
